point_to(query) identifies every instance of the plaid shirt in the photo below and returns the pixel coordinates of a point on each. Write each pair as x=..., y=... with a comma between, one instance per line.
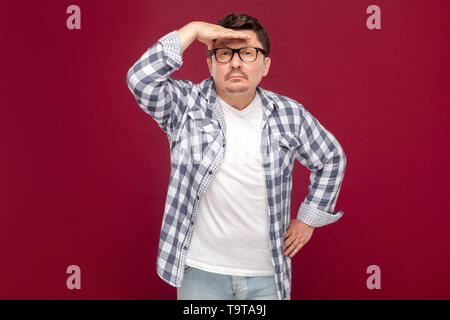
x=191, y=116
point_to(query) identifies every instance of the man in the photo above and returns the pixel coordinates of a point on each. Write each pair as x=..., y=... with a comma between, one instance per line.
x=227, y=232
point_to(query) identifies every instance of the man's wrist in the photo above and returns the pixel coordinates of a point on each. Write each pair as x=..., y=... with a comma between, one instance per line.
x=187, y=35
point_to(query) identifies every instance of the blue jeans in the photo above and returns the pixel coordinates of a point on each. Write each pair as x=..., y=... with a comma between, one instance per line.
x=203, y=285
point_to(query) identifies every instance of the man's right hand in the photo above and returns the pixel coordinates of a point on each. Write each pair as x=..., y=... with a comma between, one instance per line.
x=206, y=33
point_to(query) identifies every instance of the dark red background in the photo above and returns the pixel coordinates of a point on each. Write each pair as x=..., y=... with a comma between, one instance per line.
x=84, y=171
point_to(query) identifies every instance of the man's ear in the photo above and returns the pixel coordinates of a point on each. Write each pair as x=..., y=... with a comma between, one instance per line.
x=267, y=62
x=209, y=62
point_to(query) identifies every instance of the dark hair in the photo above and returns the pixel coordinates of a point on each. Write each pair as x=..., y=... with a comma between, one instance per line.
x=243, y=21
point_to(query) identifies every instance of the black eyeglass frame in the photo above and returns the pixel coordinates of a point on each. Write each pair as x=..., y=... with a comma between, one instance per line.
x=233, y=51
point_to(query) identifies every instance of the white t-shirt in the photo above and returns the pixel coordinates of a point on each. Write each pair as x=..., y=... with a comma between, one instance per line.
x=231, y=234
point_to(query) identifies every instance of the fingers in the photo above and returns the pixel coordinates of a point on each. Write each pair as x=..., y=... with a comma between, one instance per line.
x=226, y=35
x=235, y=35
x=288, y=239
x=229, y=34
x=206, y=33
x=294, y=241
x=289, y=244
x=296, y=236
x=210, y=44
x=292, y=251
x=292, y=245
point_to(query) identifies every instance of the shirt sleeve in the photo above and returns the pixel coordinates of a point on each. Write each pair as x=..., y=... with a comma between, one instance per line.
x=322, y=154
x=162, y=97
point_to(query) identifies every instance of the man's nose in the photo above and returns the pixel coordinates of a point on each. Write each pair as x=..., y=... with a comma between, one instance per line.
x=236, y=61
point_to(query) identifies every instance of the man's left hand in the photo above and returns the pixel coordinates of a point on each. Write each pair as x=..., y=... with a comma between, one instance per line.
x=297, y=235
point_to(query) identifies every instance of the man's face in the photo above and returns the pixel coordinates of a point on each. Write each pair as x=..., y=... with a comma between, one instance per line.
x=238, y=76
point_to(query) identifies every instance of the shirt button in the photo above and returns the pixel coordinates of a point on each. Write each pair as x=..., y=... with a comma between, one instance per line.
x=198, y=197
x=210, y=172
x=185, y=248
x=192, y=221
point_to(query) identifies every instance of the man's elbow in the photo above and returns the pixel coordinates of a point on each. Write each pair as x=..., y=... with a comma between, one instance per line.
x=343, y=160
x=129, y=77
x=341, y=157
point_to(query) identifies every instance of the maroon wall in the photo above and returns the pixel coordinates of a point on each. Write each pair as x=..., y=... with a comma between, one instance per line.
x=84, y=171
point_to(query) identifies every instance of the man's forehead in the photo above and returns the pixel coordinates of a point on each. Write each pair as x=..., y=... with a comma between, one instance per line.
x=253, y=41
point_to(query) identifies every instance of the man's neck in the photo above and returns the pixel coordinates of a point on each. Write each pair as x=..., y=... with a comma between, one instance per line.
x=237, y=100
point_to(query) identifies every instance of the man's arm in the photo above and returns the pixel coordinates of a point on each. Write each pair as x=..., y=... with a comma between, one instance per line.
x=162, y=97
x=149, y=80
x=206, y=33
x=322, y=154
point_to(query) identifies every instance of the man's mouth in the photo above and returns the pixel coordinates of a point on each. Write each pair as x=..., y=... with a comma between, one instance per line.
x=236, y=77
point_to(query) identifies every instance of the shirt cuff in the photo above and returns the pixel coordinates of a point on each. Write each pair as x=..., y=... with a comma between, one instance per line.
x=172, y=49
x=315, y=217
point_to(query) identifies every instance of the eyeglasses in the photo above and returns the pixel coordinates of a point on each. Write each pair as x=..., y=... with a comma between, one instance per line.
x=246, y=54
